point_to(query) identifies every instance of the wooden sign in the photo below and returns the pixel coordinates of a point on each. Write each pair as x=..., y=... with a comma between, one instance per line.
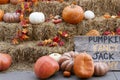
x=101, y=48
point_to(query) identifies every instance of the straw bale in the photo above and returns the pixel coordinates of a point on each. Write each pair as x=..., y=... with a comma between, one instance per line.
x=10, y=30
x=30, y=52
x=99, y=23
x=1, y=32
x=101, y=6
x=44, y=31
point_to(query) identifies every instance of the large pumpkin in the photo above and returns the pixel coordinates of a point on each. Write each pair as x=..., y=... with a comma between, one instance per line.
x=83, y=65
x=1, y=15
x=5, y=61
x=73, y=14
x=45, y=67
x=11, y=17
x=4, y=1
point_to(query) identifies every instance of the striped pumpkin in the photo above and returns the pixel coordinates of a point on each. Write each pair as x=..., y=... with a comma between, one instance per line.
x=100, y=68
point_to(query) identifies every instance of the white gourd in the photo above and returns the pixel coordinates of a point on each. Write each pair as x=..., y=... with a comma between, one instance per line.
x=36, y=17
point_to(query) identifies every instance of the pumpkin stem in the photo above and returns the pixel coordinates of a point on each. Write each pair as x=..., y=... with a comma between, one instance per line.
x=72, y=5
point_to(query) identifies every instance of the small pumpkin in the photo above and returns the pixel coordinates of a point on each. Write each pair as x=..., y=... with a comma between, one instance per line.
x=5, y=61
x=93, y=33
x=83, y=65
x=4, y=1
x=73, y=14
x=100, y=68
x=1, y=14
x=11, y=17
x=36, y=17
x=67, y=60
x=14, y=2
x=55, y=56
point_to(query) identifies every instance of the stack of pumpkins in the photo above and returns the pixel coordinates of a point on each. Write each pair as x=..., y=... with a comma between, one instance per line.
x=81, y=65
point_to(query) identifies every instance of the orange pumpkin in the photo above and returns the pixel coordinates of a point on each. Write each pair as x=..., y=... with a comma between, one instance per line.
x=83, y=65
x=1, y=14
x=73, y=14
x=4, y=1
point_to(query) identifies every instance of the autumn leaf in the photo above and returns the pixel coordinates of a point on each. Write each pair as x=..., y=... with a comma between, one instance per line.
x=21, y=17
x=24, y=37
x=25, y=30
x=56, y=39
x=63, y=34
x=53, y=44
x=61, y=43
x=24, y=23
x=15, y=41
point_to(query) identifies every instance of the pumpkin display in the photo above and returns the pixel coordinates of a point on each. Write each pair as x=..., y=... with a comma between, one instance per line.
x=89, y=14
x=83, y=65
x=4, y=1
x=73, y=14
x=1, y=14
x=55, y=56
x=5, y=61
x=45, y=67
x=14, y=2
x=93, y=33
x=67, y=60
x=11, y=17
x=100, y=68
x=36, y=17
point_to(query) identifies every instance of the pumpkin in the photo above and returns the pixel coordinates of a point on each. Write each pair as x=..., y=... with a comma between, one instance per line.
x=11, y=17
x=67, y=60
x=55, y=56
x=14, y=2
x=36, y=17
x=4, y=1
x=45, y=67
x=1, y=15
x=89, y=14
x=83, y=65
x=73, y=14
x=5, y=61
x=100, y=68
x=93, y=33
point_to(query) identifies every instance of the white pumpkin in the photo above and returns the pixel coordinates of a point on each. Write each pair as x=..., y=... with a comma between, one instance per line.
x=89, y=14
x=36, y=17
x=55, y=56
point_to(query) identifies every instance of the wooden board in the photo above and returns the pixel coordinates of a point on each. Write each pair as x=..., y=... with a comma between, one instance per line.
x=29, y=75
x=101, y=48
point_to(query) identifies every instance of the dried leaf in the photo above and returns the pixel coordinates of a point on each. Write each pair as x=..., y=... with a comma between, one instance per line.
x=25, y=30
x=56, y=39
x=15, y=41
x=61, y=43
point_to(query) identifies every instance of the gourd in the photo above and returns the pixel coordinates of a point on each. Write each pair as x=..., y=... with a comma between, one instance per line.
x=36, y=17
x=1, y=14
x=4, y=1
x=11, y=17
x=100, y=68
x=67, y=60
x=89, y=14
x=73, y=14
x=83, y=65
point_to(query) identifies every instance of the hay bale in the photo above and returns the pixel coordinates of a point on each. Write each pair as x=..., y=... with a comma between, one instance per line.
x=70, y=28
x=1, y=32
x=10, y=30
x=5, y=47
x=30, y=52
x=99, y=23
x=44, y=31
x=100, y=7
x=9, y=7
x=54, y=8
